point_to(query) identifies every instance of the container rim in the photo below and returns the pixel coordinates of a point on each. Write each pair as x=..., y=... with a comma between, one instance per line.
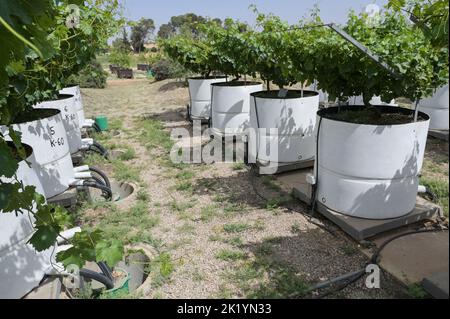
x=36, y=115
x=306, y=94
x=326, y=112
x=236, y=83
x=211, y=77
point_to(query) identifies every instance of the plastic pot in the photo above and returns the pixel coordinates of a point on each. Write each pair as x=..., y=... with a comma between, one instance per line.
x=230, y=106
x=124, y=73
x=21, y=267
x=295, y=119
x=102, y=122
x=122, y=287
x=67, y=105
x=200, y=96
x=143, y=67
x=437, y=107
x=369, y=171
x=76, y=92
x=43, y=130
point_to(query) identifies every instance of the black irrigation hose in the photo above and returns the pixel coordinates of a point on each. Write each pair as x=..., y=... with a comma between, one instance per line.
x=102, y=175
x=351, y=278
x=431, y=194
x=315, y=187
x=101, y=182
x=105, y=270
x=308, y=216
x=101, y=278
x=103, y=150
x=103, y=188
x=97, y=150
x=96, y=128
x=98, y=180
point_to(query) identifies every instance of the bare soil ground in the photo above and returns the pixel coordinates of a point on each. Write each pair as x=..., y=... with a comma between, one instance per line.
x=215, y=237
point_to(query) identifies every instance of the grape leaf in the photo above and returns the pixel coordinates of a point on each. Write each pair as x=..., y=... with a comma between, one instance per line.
x=44, y=238
x=110, y=252
x=9, y=163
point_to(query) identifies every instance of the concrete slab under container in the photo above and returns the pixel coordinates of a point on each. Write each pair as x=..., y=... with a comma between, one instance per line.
x=415, y=258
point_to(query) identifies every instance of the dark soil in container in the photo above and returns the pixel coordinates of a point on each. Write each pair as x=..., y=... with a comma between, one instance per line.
x=35, y=115
x=291, y=94
x=371, y=115
x=236, y=83
x=62, y=97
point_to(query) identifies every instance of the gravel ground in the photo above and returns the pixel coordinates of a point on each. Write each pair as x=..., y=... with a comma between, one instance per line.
x=223, y=240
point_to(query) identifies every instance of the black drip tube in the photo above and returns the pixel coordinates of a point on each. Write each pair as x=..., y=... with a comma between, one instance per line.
x=96, y=147
x=105, y=270
x=353, y=277
x=103, y=188
x=101, y=174
x=96, y=128
x=101, y=278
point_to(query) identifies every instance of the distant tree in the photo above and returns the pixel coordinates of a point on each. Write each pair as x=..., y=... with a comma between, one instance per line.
x=122, y=44
x=183, y=24
x=165, y=31
x=140, y=33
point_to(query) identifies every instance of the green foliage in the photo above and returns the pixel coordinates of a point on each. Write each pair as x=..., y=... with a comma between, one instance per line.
x=91, y=76
x=420, y=66
x=190, y=53
x=230, y=255
x=120, y=59
x=272, y=45
x=430, y=16
x=161, y=269
x=231, y=51
x=236, y=228
x=167, y=69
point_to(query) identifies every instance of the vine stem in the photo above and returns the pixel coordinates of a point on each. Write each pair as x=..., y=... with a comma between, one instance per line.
x=20, y=37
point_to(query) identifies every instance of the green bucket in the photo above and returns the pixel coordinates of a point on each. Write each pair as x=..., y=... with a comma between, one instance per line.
x=102, y=122
x=122, y=287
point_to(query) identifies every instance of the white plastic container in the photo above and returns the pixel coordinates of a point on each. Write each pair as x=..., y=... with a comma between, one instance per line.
x=231, y=106
x=21, y=267
x=437, y=108
x=200, y=96
x=43, y=129
x=295, y=119
x=370, y=171
x=79, y=107
x=66, y=104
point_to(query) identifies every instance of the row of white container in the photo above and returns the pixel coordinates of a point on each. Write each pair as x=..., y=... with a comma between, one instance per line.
x=53, y=129
x=51, y=133
x=366, y=171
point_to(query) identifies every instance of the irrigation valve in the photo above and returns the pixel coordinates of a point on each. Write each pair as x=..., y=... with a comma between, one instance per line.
x=311, y=179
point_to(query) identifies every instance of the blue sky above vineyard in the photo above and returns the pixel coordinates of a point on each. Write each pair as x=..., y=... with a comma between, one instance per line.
x=290, y=10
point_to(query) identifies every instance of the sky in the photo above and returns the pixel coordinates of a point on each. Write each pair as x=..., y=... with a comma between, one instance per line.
x=290, y=10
